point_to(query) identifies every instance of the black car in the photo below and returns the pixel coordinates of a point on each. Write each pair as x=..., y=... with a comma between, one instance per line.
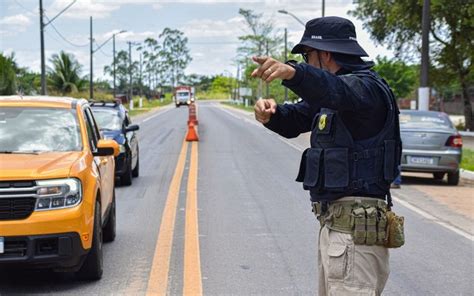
x=115, y=124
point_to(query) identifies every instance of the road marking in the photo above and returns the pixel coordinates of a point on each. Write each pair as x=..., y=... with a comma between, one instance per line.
x=158, y=279
x=433, y=218
x=226, y=109
x=192, y=283
x=156, y=115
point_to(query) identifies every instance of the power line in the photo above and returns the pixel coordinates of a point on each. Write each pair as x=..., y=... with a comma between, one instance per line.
x=215, y=42
x=21, y=5
x=107, y=55
x=64, y=38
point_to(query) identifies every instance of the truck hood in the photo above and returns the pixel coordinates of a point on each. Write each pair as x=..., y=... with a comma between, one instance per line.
x=37, y=166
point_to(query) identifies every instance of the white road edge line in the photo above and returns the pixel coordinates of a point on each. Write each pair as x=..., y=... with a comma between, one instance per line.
x=403, y=203
x=433, y=218
x=261, y=126
x=155, y=115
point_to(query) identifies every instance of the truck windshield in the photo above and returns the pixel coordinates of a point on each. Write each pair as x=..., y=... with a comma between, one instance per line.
x=38, y=130
x=183, y=94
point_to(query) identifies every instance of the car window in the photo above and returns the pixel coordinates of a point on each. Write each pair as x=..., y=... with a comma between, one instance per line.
x=30, y=129
x=416, y=120
x=92, y=133
x=128, y=120
x=107, y=119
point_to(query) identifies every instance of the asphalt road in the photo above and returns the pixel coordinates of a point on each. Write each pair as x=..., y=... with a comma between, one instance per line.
x=256, y=234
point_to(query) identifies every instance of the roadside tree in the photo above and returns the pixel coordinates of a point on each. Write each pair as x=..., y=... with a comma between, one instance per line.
x=174, y=54
x=400, y=76
x=7, y=76
x=64, y=76
x=451, y=44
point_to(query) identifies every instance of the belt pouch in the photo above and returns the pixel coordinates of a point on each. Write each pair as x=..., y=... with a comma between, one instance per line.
x=381, y=227
x=371, y=222
x=359, y=225
x=395, y=229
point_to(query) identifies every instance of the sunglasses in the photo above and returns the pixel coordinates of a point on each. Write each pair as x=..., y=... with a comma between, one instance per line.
x=305, y=55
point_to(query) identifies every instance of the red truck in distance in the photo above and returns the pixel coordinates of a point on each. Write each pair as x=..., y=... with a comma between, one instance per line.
x=183, y=95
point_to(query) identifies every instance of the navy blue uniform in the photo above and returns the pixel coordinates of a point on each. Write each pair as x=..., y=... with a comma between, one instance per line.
x=355, y=141
x=363, y=114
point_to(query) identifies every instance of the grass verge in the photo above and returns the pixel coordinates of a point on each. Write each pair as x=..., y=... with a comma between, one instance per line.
x=467, y=162
x=249, y=108
x=147, y=105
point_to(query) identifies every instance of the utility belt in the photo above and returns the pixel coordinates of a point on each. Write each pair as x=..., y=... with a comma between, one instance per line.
x=369, y=220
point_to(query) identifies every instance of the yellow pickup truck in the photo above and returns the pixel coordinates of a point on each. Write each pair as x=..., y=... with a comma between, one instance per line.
x=57, y=191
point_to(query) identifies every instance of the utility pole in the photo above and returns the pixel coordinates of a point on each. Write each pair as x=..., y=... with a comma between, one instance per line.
x=238, y=82
x=130, y=43
x=91, y=78
x=113, y=63
x=92, y=51
x=268, y=84
x=130, y=91
x=141, y=91
x=260, y=83
x=42, y=26
x=286, y=59
x=43, y=67
x=323, y=8
x=424, y=90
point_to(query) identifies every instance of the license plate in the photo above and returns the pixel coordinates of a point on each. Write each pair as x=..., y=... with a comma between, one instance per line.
x=2, y=245
x=421, y=160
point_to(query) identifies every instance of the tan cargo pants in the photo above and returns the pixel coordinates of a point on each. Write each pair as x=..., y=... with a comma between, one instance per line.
x=349, y=269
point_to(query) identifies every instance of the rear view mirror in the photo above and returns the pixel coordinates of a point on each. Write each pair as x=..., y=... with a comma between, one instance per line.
x=132, y=128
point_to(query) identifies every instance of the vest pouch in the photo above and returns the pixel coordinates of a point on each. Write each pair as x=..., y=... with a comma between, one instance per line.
x=323, y=126
x=336, y=168
x=389, y=169
x=311, y=173
x=302, y=170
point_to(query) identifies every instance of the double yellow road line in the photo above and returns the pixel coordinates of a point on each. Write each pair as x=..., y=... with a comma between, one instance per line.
x=158, y=280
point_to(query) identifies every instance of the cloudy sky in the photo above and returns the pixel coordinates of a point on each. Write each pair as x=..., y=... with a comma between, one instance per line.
x=212, y=27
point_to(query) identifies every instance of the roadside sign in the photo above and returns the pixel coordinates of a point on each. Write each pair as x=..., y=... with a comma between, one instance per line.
x=245, y=91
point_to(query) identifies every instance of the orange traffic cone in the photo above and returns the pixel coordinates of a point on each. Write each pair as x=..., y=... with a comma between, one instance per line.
x=193, y=114
x=192, y=133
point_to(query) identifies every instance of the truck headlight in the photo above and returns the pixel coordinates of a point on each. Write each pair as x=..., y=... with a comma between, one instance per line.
x=122, y=148
x=58, y=194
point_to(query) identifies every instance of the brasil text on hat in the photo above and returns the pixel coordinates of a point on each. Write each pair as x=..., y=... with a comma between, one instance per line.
x=333, y=34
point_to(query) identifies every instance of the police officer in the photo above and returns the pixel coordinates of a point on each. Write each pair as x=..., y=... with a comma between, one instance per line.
x=354, y=154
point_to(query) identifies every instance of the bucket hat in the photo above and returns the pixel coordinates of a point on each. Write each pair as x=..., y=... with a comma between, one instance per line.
x=333, y=34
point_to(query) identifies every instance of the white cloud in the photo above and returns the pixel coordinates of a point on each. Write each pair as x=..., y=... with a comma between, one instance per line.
x=16, y=20
x=206, y=28
x=83, y=9
x=14, y=24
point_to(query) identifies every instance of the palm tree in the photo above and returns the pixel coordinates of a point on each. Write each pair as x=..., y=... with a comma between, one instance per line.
x=64, y=76
x=7, y=75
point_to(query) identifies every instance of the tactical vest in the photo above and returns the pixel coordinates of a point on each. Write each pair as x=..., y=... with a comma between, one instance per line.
x=336, y=165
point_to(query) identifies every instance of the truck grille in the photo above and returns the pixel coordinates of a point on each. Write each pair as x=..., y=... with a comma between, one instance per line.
x=17, y=200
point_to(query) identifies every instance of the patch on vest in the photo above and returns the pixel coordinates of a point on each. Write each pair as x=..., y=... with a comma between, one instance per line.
x=322, y=122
